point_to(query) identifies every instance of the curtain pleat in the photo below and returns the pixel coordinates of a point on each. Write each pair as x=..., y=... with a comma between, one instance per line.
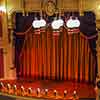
x=65, y=54
x=62, y=57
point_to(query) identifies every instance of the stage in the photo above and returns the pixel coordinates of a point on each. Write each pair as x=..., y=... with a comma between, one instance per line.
x=83, y=90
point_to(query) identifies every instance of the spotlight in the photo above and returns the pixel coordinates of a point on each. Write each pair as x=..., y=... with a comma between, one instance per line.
x=15, y=89
x=74, y=94
x=46, y=92
x=1, y=86
x=55, y=93
x=65, y=93
x=22, y=90
x=29, y=90
x=8, y=87
x=38, y=91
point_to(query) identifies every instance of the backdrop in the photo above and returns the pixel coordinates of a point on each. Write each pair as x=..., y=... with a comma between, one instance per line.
x=62, y=57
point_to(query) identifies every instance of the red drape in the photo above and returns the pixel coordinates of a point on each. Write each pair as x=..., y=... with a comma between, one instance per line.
x=57, y=57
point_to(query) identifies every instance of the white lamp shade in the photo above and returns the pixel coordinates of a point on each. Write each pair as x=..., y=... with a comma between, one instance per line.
x=76, y=23
x=73, y=23
x=69, y=23
x=36, y=24
x=42, y=23
x=55, y=24
x=60, y=21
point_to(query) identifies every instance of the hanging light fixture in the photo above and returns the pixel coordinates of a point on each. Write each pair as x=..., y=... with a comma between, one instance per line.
x=69, y=23
x=73, y=23
x=60, y=21
x=57, y=23
x=76, y=22
x=54, y=24
x=42, y=22
x=36, y=23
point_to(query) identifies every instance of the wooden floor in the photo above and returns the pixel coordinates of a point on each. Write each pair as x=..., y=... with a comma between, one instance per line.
x=84, y=90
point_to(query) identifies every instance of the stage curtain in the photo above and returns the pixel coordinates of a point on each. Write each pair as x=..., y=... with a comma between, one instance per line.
x=60, y=56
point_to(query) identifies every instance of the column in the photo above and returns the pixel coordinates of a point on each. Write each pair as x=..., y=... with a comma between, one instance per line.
x=81, y=7
x=9, y=70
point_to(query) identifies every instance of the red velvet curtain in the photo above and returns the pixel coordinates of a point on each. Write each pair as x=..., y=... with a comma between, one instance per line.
x=57, y=57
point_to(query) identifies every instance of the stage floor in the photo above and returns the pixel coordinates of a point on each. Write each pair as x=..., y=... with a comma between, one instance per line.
x=84, y=90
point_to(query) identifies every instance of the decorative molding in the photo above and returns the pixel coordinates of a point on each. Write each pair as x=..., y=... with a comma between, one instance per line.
x=50, y=8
